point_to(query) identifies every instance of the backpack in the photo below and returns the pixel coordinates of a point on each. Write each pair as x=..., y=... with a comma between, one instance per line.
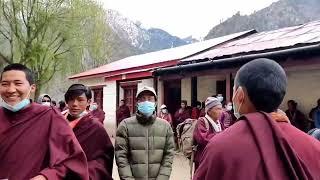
x=185, y=136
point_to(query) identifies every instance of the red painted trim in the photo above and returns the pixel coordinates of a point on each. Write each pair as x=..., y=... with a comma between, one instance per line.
x=130, y=83
x=113, y=73
x=96, y=87
x=143, y=74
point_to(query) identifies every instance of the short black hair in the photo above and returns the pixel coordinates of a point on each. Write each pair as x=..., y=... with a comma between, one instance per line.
x=293, y=102
x=54, y=103
x=265, y=82
x=76, y=90
x=184, y=102
x=19, y=67
x=198, y=103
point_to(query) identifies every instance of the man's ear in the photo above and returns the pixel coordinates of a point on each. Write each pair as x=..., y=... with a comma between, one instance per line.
x=241, y=94
x=33, y=88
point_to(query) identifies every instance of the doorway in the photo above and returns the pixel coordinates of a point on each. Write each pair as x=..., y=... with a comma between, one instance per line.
x=172, y=95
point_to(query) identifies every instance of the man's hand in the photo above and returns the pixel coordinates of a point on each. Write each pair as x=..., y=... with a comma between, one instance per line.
x=39, y=177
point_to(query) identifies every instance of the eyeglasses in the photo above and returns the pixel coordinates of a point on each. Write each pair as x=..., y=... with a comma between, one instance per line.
x=45, y=100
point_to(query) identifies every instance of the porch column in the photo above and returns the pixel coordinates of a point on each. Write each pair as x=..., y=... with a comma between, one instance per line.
x=228, y=88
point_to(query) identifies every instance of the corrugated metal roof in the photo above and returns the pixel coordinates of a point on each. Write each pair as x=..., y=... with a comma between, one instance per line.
x=160, y=56
x=282, y=38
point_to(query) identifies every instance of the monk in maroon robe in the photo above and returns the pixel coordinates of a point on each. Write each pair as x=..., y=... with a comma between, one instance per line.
x=90, y=133
x=182, y=114
x=207, y=127
x=262, y=144
x=96, y=112
x=123, y=112
x=35, y=140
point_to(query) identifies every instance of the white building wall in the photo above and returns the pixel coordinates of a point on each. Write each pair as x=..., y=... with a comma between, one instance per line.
x=145, y=82
x=160, y=94
x=206, y=87
x=186, y=90
x=121, y=93
x=109, y=107
x=304, y=88
x=92, y=81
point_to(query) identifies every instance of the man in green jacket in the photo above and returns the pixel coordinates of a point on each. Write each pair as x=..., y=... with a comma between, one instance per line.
x=144, y=143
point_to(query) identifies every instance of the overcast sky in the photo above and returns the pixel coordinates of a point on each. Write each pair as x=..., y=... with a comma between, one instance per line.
x=184, y=17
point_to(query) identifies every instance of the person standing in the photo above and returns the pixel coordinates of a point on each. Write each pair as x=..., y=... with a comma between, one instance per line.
x=227, y=118
x=315, y=115
x=44, y=99
x=182, y=114
x=296, y=117
x=90, y=133
x=164, y=114
x=36, y=142
x=195, y=114
x=144, y=143
x=207, y=127
x=96, y=112
x=122, y=112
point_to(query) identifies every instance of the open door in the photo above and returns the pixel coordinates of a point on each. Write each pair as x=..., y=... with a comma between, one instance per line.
x=172, y=95
x=130, y=97
x=98, y=96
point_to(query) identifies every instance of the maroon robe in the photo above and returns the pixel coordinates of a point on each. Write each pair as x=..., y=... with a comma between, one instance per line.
x=257, y=147
x=227, y=118
x=202, y=113
x=123, y=112
x=181, y=117
x=166, y=116
x=98, y=114
x=202, y=136
x=38, y=140
x=97, y=146
x=195, y=114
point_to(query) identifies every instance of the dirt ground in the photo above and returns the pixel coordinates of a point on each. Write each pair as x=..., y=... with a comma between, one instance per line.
x=180, y=169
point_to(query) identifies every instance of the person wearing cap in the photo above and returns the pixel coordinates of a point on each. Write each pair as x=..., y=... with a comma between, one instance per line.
x=207, y=127
x=144, y=143
x=164, y=114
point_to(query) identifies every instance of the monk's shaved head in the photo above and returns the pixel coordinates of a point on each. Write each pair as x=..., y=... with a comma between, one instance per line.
x=265, y=82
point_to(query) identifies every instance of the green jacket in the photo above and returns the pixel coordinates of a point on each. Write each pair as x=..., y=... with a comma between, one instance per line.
x=144, y=148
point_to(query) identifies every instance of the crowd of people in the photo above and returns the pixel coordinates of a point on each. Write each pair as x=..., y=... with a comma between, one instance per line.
x=248, y=138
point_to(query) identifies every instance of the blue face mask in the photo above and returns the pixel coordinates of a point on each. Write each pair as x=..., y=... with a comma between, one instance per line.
x=147, y=108
x=24, y=103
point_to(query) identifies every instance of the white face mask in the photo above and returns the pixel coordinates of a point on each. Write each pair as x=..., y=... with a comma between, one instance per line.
x=46, y=104
x=229, y=107
x=164, y=111
x=220, y=98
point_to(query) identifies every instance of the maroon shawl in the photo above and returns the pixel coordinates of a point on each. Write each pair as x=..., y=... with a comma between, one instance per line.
x=97, y=146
